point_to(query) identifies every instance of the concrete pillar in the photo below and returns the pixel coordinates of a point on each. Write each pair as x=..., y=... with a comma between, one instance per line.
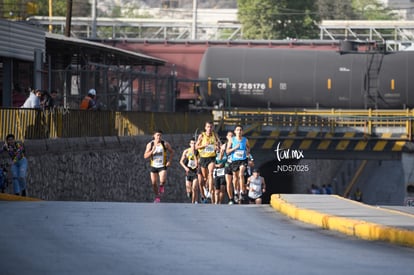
x=37, y=70
x=7, y=82
x=407, y=161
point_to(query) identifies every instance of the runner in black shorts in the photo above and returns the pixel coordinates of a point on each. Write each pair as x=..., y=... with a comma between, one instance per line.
x=189, y=161
x=160, y=154
x=205, y=162
x=228, y=171
x=207, y=145
x=157, y=170
x=239, y=150
x=220, y=176
x=237, y=164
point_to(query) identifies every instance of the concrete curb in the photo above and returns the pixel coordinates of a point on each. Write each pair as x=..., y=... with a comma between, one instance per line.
x=358, y=228
x=10, y=197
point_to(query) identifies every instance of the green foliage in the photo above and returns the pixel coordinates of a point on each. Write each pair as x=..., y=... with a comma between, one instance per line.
x=282, y=19
x=371, y=10
x=278, y=19
x=116, y=11
x=21, y=9
x=335, y=9
x=58, y=7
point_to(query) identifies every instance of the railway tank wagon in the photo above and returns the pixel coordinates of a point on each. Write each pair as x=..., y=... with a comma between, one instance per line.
x=285, y=78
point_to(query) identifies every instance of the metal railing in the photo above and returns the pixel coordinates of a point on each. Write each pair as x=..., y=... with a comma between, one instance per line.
x=67, y=123
x=370, y=122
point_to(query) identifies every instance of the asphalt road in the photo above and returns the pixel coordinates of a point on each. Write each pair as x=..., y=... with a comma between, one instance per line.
x=143, y=238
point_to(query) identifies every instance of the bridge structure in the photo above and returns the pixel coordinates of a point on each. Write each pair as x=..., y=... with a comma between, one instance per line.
x=324, y=133
x=291, y=141
x=217, y=29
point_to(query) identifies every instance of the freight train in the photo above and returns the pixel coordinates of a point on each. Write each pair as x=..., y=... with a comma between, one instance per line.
x=285, y=78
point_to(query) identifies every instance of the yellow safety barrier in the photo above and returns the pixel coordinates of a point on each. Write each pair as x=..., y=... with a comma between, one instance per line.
x=38, y=124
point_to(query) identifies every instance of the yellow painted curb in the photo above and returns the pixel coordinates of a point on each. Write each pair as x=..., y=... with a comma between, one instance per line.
x=10, y=197
x=358, y=228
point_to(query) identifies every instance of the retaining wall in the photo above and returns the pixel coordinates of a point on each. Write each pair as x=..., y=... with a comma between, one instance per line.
x=99, y=169
x=113, y=169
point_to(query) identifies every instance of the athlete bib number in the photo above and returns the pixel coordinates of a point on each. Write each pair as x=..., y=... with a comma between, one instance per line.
x=191, y=164
x=158, y=162
x=209, y=148
x=239, y=154
x=220, y=172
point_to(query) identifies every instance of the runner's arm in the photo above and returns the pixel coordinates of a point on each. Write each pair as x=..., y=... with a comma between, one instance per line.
x=183, y=156
x=148, y=151
x=263, y=185
x=199, y=142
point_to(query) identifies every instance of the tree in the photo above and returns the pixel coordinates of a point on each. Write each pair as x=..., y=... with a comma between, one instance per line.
x=353, y=10
x=282, y=19
x=278, y=19
x=371, y=10
x=79, y=7
x=335, y=9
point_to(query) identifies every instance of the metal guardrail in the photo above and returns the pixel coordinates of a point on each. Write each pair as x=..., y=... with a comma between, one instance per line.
x=67, y=123
x=370, y=122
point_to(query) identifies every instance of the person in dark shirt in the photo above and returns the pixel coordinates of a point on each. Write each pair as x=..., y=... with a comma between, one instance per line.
x=49, y=101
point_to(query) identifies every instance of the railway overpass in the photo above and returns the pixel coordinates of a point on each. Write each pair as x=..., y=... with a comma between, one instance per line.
x=351, y=146
x=211, y=28
x=364, y=133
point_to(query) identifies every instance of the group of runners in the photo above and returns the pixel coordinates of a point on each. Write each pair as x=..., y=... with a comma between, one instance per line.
x=213, y=169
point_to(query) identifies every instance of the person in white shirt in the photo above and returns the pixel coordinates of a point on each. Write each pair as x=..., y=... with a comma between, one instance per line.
x=33, y=101
x=256, y=186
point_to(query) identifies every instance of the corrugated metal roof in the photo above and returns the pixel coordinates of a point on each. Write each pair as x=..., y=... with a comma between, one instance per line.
x=56, y=43
x=19, y=40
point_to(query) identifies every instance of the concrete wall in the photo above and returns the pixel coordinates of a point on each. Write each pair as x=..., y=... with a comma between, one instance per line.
x=99, y=169
x=113, y=169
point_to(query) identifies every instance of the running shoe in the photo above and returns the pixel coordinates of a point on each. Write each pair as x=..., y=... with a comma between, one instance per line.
x=157, y=200
x=161, y=189
x=231, y=202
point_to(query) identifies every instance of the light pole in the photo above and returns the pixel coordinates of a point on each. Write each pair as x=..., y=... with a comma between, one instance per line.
x=94, y=5
x=174, y=88
x=50, y=15
x=194, y=25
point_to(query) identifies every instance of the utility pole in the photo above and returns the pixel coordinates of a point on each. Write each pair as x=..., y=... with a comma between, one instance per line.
x=50, y=15
x=94, y=4
x=68, y=17
x=194, y=25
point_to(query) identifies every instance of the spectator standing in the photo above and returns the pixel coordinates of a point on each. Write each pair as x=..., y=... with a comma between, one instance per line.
x=160, y=154
x=50, y=101
x=89, y=101
x=329, y=189
x=314, y=189
x=19, y=164
x=33, y=101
